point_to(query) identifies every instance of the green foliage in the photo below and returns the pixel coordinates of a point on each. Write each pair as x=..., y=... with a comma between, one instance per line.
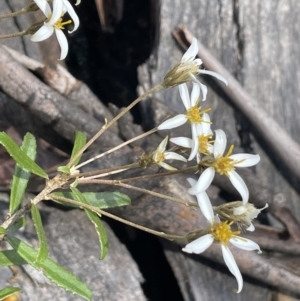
x=21, y=175
x=43, y=248
x=101, y=200
x=11, y=257
x=79, y=143
x=2, y=230
x=51, y=269
x=94, y=218
x=20, y=157
x=21, y=222
x=8, y=291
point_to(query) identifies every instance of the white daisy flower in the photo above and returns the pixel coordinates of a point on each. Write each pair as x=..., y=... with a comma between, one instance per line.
x=204, y=135
x=220, y=232
x=193, y=114
x=246, y=213
x=225, y=165
x=160, y=155
x=187, y=70
x=55, y=24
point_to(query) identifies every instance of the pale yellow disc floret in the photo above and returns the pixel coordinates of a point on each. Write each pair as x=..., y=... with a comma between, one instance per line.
x=222, y=232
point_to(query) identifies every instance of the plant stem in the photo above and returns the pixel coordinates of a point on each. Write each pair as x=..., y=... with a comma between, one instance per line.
x=143, y=190
x=107, y=125
x=167, y=173
x=104, y=172
x=117, y=147
x=119, y=219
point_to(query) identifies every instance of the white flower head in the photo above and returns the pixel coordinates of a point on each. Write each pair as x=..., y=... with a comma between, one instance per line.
x=220, y=232
x=160, y=155
x=247, y=213
x=225, y=165
x=188, y=69
x=193, y=115
x=203, y=135
x=55, y=24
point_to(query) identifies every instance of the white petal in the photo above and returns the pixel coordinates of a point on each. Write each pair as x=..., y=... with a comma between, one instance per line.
x=162, y=146
x=245, y=244
x=192, y=51
x=44, y=7
x=198, y=62
x=72, y=14
x=199, y=245
x=204, y=202
x=206, y=124
x=167, y=166
x=215, y=74
x=174, y=122
x=185, y=95
x=195, y=94
x=174, y=156
x=232, y=266
x=205, y=205
x=251, y=228
x=182, y=141
x=204, y=91
x=220, y=143
x=42, y=34
x=249, y=160
x=63, y=43
x=192, y=181
x=199, y=128
x=239, y=185
x=77, y=2
x=195, y=143
x=57, y=12
x=203, y=182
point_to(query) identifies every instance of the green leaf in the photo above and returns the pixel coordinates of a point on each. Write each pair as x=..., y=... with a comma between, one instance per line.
x=21, y=175
x=43, y=248
x=101, y=200
x=2, y=230
x=20, y=157
x=51, y=269
x=94, y=218
x=79, y=143
x=64, y=169
x=8, y=291
x=11, y=257
x=21, y=222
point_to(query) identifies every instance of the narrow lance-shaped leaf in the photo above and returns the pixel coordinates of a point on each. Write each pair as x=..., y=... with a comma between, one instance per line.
x=101, y=200
x=9, y=291
x=51, y=269
x=20, y=157
x=21, y=175
x=11, y=257
x=94, y=218
x=79, y=143
x=37, y=221
x=21, y=222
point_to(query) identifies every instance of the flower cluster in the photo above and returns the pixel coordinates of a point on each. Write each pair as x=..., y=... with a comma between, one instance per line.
x=54, y=22
x=209, y=149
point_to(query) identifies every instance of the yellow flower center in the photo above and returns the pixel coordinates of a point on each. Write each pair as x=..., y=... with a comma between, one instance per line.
x=60, y=24
x=204, y=142
x=222, y=232
x=160, y=157
x=224, y=164
x=194, y=114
